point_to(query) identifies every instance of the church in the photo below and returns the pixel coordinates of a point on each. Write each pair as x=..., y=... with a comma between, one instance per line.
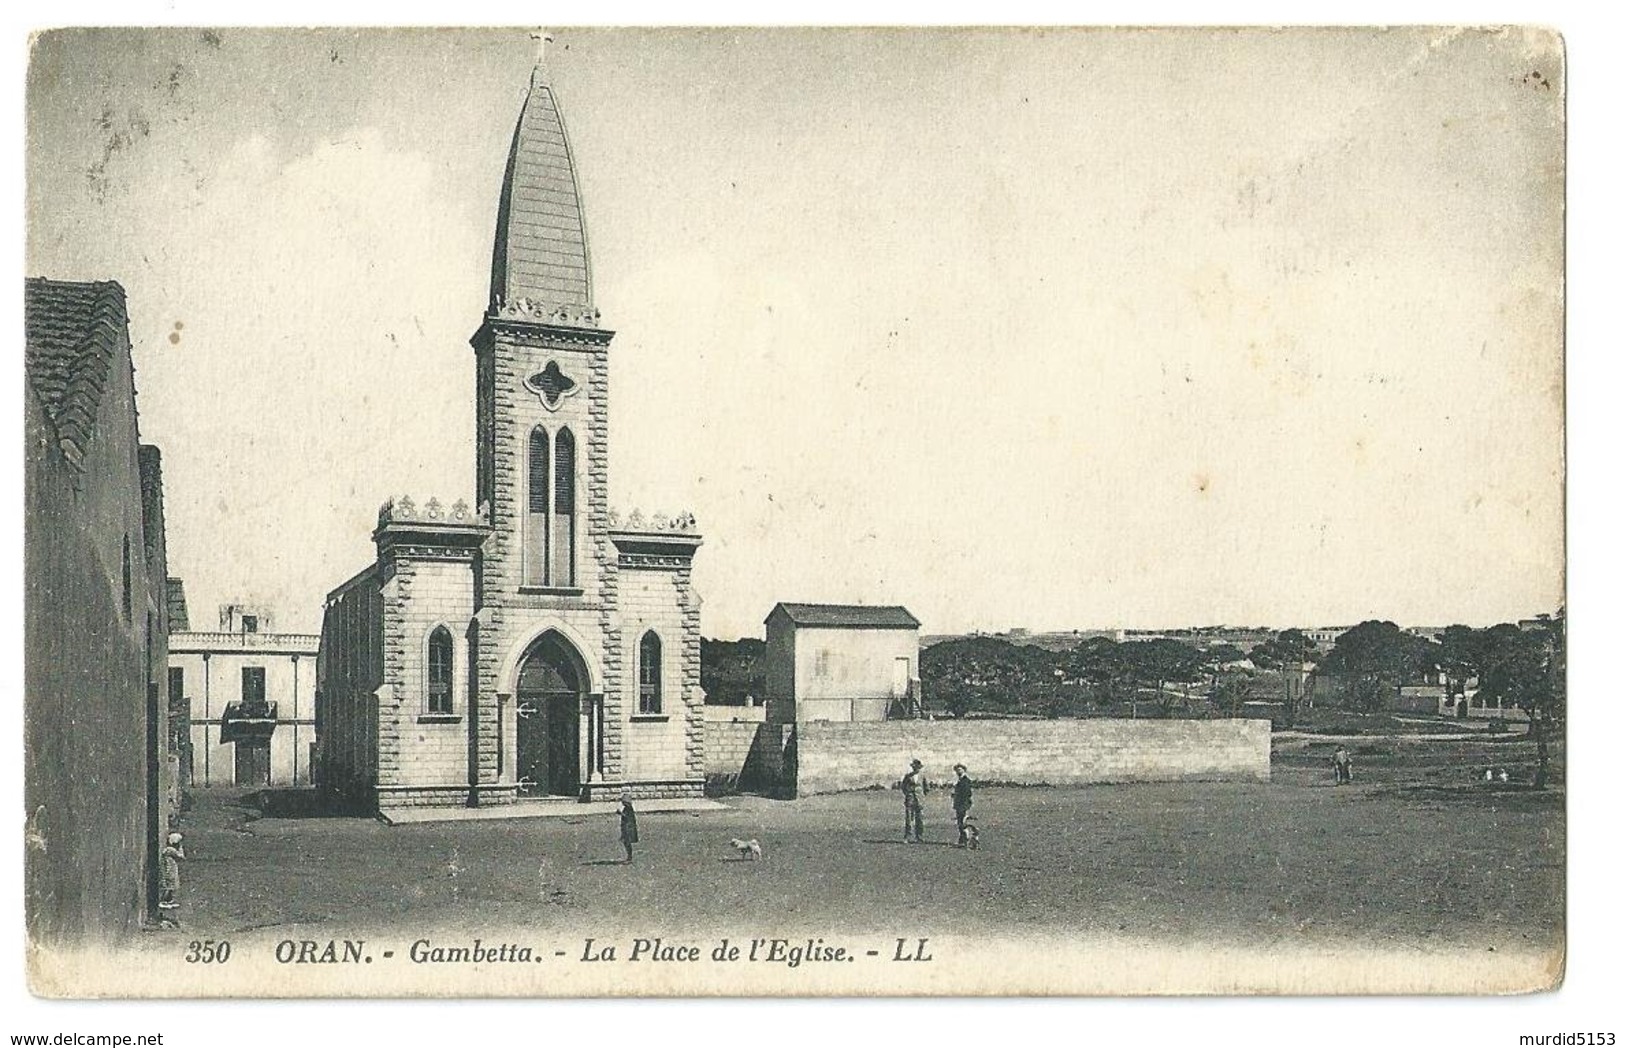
x=533, y=645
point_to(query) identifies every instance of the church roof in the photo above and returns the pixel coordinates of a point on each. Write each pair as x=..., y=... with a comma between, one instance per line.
x=848, y=616
x=74, y=333
x=541, y=239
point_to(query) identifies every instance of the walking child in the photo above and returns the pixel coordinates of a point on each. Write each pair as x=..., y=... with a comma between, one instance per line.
x=169, y=880
x=629, y=827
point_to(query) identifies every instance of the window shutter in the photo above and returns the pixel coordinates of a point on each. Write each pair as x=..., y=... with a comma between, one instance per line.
x=538, y=470
x=564, y=483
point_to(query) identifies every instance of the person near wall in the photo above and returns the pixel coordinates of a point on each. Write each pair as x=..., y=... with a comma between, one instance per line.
x=169, y=880
x=629, y=827
x=914, y=788
x=962, y=801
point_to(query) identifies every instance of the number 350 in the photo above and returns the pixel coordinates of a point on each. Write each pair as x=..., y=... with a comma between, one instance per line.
x=207, y=951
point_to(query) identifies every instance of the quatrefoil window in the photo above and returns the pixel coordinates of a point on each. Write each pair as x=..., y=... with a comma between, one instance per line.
x=551, y=384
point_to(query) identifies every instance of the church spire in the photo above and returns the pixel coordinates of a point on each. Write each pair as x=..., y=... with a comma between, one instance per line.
x=539, y=265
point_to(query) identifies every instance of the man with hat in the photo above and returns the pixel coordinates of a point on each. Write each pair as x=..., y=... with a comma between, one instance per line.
x=962, y=788
x=629, y=824
x=914, y=787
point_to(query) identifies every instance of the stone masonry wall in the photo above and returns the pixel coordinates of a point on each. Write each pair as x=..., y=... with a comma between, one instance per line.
x=747, y=755
x=85, y=678
x=508, y=617
x=663, y=747
x=727, y=748
x=832, y=756
x=428, y=749
x=349, y=670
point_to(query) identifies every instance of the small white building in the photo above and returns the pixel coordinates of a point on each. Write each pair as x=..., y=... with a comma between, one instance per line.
x=252, y=696
x=841, y=662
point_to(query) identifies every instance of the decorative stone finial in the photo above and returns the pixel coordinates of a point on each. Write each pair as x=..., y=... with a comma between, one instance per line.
x=684, y=522
x=403, y=510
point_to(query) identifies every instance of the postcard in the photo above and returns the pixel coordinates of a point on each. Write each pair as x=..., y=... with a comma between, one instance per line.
x=550, y=512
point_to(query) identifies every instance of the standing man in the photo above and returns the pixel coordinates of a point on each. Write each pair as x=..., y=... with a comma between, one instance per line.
x=914, y=787
x=629, y=826
x=962, y=801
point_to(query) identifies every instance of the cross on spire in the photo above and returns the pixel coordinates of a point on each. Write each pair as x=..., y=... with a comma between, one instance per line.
x=538, y=75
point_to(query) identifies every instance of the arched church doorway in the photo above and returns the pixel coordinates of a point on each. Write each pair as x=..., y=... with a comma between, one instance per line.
x=552, y=681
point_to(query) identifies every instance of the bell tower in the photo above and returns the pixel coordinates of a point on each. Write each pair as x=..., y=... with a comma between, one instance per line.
x=542, y=372
x=541, y=464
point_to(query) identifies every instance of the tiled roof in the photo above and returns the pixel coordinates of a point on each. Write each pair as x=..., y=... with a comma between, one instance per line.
x=852, y=616
x=73, y=331
x=541, y=242
x=175, y=591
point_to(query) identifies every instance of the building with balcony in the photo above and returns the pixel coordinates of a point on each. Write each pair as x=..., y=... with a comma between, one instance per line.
x=251, y=694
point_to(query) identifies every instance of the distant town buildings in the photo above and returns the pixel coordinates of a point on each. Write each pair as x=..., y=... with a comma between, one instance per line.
x=99, y=781
x=250, y=697
x=841, y=662
x=1199, y=637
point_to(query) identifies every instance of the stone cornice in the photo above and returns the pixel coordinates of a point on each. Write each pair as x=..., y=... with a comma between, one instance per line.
x=537, y=333
x=655, y=549
x=425, y=551
x=434, y=540
x=654, y=561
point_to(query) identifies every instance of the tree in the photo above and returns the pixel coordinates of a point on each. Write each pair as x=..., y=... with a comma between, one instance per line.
x=1099, y=663
x=1160, y=661
x=1288, y=652
x=1229, y=692
x=1461, y=656
x=731, y=671
x=1377, y=658
x=1527, y=668
x=968, y=673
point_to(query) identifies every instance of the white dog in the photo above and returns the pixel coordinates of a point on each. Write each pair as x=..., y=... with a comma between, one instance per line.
x=750, y=850
x=973, y=835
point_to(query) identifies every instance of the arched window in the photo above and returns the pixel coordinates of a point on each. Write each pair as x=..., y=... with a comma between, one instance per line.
x=440, y=670
x=536, y=536
x=563, y=549
x=649, y=673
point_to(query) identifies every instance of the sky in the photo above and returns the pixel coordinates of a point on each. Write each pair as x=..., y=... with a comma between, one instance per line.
x=1044, y=328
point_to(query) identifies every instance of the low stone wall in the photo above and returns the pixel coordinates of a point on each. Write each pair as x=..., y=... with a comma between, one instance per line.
x=830, y=757
x=675, y=789
x=867, y=709
x=724, y=714
x=745, y=755
x=727, y=747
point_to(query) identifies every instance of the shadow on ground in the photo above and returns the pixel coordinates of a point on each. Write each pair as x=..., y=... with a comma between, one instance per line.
x=299, y=803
